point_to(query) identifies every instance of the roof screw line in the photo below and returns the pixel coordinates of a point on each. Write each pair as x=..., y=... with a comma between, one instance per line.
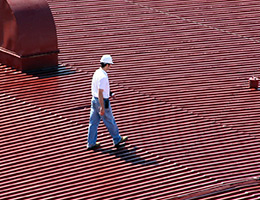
x=195, y=22
x=176, y=107
x=39, y=108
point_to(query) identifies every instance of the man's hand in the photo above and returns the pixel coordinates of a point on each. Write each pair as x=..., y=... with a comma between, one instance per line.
x=102, y=111
x=113, y=95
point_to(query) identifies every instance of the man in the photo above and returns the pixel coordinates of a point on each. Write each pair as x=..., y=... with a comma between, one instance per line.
x=100, y=106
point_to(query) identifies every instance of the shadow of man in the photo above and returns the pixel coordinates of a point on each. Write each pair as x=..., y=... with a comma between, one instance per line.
x=131, y=155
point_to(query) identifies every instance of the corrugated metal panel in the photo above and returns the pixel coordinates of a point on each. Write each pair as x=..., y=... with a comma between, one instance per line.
x=47, y=158
x=210, y=66
x=182, y=98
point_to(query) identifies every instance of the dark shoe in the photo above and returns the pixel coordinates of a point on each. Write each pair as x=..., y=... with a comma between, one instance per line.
x=97, y=145
x=123, y=139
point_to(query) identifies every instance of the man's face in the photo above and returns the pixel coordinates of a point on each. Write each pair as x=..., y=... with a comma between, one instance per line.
x=108, y=66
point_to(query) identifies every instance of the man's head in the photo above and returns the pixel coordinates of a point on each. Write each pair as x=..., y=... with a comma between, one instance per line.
x=106, y=62
x=106, y=59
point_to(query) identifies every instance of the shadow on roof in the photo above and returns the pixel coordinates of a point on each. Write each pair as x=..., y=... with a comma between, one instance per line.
x=129, y=155
x=60, y=70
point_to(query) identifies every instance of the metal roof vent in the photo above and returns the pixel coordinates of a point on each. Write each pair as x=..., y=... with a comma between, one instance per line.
x=253, y=82
x=28, y=39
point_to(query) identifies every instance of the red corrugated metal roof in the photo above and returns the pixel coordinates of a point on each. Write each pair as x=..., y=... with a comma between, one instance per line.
x=181, y=77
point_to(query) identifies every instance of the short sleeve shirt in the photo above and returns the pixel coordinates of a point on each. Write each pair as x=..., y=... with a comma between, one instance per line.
x=100, y=81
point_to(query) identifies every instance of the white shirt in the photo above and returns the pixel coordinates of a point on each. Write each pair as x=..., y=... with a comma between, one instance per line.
x=100, y=81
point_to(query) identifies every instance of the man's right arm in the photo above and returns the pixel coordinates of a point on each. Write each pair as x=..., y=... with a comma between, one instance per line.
x=101, y=101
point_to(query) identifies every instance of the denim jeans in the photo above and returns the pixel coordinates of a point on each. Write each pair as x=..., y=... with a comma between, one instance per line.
x=108, y=120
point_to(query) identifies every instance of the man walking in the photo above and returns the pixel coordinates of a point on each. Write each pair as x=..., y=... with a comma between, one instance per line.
x=100, y=106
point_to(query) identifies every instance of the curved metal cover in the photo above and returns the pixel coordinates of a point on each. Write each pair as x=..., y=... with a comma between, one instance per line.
x=27, y=29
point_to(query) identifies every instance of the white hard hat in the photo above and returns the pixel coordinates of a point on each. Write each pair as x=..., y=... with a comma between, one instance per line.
x=106, y=59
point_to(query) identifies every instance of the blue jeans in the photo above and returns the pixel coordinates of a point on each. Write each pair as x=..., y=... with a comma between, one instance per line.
x=108, y=120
